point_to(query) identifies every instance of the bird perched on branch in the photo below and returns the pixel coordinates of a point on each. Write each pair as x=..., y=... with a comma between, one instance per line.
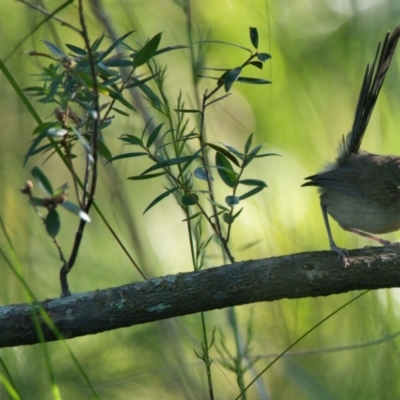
x=361, y=190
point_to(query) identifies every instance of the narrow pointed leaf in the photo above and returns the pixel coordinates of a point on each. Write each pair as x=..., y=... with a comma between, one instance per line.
x=42, y=180
x=252, y=155
x=169, y=163
x=254, y=37
x=143, y=177
x=77, y=50
x=114, y=46
x=75, y=209
x=117, y=96
x=226, y=43
x=84, y=143
x=255, y=81
x=54, y=49
x=229, y=219
x=247, y=146
x=263, y=56
x=147, y=51
x=159, y=198
x=253, y=182
x=97, y=43
x=151, y=96
x=225, y=152
x=257, y=64
x=225, y=170
x=187, y=110
x=267, y=155
x=103, y=150
x=230, y=77
x=33, y=146
x=153, y=135
x=251, y=192
x=137, y=82
x=117, y=110
x=170, y=48
x=134, y=140
x=129, y=155
x=236, y=152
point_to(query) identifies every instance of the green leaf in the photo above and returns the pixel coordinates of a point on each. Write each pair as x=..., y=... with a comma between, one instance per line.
x=129, y=155
x=252, y=155
x=153, y=135
x=267, y=155
x=42, y=180
x=77, y=50
x=170, y=48
x=257, y=64
x=263, y=56
x=160, y=197
x=117, y=63
x=219, y=206
x=187, y=110
x=190, y=199
x=170, y=162
x=254, y=81
x=218, y=99
x=114, y=45
x=254, y=37
x=43, y=149
x=117, y=110
x=103, y=150
x=44, y=127
x=252, y=192
x=117, y=96
x=226, y=43
x=137, y=82
x=247, y=146
x=143, y=177
x=192, y=216
x=33, y=146
x=253, y=182
x=232, y=200
x=230, y=77
x=201, y=173
x=151, y=96
x=54, y=49
x=97, y=43
x=134, y=140
x=237, y=153
x=146, y=52
x=76, y=210
x=52, y=223
x=225, y=152
x=225, y=170
x=84, y=143
x=228, y=218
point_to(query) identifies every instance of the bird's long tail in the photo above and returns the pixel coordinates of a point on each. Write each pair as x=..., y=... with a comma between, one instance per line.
x=372, y=83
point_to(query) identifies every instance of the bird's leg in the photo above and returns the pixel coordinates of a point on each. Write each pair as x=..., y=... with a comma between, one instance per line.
x=383, y=242
x=343, y=253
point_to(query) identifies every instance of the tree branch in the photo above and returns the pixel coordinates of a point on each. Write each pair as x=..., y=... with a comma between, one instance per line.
x=292, y=276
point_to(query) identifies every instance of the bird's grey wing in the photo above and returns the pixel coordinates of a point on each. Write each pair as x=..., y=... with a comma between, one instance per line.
x=333, y=179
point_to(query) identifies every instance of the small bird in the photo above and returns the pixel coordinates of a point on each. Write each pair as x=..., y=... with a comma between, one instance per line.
x=361, y=190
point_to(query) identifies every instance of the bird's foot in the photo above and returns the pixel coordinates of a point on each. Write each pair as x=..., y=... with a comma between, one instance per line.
x=343, y=254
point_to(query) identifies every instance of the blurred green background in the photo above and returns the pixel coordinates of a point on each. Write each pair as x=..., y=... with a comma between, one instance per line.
x=319, y=52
